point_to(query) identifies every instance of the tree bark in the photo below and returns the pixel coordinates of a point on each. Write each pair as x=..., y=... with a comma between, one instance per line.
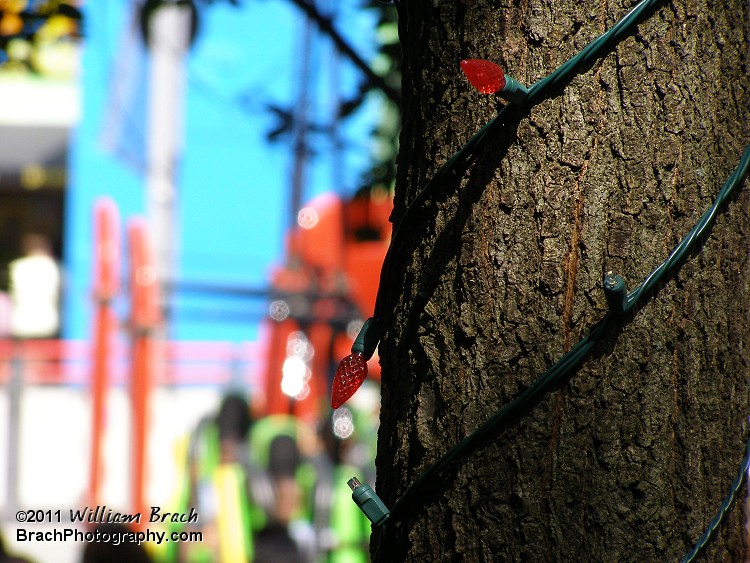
x=500, y=273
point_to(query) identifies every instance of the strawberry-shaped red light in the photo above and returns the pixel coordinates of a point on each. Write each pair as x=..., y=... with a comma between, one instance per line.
x=485, y=76
x=349, y=376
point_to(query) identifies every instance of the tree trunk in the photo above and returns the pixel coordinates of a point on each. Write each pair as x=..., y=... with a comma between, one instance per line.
x=499, y=273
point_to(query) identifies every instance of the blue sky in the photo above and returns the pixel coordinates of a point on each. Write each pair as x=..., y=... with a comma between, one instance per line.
x=233, y=186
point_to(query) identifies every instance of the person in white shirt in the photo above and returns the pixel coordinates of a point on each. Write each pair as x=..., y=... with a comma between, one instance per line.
x=34, y=290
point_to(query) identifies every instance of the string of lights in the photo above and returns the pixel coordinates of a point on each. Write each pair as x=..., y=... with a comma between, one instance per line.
x=489, y=78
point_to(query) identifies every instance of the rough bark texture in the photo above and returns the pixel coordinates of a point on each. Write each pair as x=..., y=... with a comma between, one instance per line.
x=501, y=274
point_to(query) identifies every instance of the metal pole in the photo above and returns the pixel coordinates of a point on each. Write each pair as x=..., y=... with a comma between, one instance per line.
x=169, y=40
x=14, y=417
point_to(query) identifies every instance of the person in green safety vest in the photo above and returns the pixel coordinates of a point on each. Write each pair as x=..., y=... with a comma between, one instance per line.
x=231, y=495
x=342, y=531
x=275, y=446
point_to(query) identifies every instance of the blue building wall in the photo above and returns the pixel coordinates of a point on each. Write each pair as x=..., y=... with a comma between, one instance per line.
x=233, y=187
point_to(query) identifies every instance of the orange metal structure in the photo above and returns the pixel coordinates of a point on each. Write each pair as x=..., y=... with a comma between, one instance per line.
x=334, y=259
x=145, y=317
x=106, y=284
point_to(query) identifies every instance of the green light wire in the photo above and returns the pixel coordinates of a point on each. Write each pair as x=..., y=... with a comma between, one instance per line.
x=589, y=53
x=723, y=509
x=694, y=235
x=570, y=361
x=507, y=413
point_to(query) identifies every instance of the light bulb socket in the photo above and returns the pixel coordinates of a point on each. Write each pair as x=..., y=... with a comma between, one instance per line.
x=513, y=91
x=367, y=339
x=615, y=292
x=369, y=502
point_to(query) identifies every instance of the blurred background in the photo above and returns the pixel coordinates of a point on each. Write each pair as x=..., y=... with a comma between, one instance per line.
x=194, y=203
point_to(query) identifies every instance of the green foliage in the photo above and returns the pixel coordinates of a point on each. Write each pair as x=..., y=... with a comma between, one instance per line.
x=387, y=64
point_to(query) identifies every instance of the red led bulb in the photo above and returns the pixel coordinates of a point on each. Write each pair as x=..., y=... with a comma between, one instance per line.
x=485, y=76
x=349, y=376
